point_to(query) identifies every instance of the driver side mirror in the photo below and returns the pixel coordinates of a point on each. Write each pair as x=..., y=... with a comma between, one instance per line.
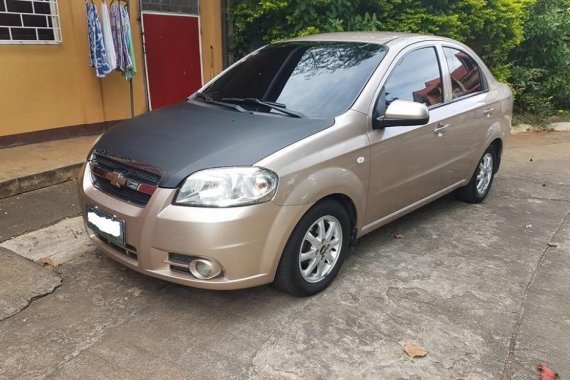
x=403, y=113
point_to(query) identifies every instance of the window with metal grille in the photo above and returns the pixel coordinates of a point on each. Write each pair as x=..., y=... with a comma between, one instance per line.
x=29, y=22
x=172, y=6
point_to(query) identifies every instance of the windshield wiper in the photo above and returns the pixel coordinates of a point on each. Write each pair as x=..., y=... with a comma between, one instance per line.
x=276, y=106
x=208, y=99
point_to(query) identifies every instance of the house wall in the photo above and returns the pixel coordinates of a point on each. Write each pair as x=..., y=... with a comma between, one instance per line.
x=44, y=87
x=51, y=86
x=211, y=34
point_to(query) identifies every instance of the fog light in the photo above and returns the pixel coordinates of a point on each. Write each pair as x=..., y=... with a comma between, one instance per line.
x=204, y=269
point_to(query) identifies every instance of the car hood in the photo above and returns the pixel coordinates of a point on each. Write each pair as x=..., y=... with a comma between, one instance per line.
x=187, y=137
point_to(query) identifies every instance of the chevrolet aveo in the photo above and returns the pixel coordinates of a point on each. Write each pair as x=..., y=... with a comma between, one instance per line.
x=274, y=168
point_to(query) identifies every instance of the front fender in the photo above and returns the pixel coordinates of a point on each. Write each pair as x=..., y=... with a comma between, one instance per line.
x=322, y=183
x=333, y=161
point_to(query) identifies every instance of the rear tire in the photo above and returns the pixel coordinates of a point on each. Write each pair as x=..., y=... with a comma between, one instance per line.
x=315, y=250
x=478, y=187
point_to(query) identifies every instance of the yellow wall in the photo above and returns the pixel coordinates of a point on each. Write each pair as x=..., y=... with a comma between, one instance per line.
x=50, y=86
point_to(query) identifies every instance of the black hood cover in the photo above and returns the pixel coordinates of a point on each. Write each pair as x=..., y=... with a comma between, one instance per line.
x=187, y=137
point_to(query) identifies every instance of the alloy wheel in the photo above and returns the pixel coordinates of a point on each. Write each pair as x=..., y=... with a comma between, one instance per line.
x=320, y=249
x=485, y=173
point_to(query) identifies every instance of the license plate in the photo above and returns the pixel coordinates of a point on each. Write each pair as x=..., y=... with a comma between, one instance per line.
x=106, y=226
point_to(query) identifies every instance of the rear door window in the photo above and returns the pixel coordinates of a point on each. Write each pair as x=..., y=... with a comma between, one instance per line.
x=464, y=71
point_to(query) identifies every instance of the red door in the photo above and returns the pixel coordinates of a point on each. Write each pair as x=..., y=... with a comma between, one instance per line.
x=172, y=49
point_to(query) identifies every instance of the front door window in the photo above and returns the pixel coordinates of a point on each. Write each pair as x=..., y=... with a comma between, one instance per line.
x=416, y=78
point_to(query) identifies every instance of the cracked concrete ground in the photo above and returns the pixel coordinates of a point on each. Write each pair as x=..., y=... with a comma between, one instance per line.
x=22, y=281
x=476, y=285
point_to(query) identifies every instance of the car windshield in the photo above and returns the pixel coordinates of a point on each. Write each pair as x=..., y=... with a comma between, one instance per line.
x=315, y=79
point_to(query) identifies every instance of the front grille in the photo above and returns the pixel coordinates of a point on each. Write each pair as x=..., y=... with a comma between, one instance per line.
x=127, y=170
x=130, y=172
x=124, y=193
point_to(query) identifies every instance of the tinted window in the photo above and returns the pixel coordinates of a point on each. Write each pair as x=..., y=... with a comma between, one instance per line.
x=314, y=78
x=464, y=71
x=416, y=78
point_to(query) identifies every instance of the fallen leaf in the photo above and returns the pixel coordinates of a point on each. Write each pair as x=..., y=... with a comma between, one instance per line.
x=546, y=373
x=552, y=244
x=415, y=351
x=46, y=261
x=398, y=236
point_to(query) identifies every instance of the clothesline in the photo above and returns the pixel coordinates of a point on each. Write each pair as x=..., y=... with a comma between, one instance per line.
x=110, y=39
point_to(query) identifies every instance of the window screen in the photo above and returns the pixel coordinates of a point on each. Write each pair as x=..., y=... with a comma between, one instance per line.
x=29, y=21
x=174, y=6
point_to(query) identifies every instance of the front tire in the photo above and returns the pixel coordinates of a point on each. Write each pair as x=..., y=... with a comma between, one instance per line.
x=315, y=250
x=478, y=187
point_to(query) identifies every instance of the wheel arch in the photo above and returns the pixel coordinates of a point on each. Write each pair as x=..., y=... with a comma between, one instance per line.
x=286, y=272
x=344, y=200
x=348, y=204
x=498, y=145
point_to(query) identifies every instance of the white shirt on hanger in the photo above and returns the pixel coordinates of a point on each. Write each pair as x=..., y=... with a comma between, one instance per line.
x=108, y=37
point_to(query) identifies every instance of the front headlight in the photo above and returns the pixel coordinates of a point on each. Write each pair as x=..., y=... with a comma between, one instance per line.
x=228, y=187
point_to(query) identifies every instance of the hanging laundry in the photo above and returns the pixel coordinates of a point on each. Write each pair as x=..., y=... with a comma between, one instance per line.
x=97, y=51
x=108, y=36
x=132, y=69
x=118, y=29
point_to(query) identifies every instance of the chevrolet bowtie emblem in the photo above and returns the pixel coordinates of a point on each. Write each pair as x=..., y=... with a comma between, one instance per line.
x=116, y=179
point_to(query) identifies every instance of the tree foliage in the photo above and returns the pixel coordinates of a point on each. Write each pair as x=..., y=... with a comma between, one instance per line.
x=541, y=73
x=495, y=29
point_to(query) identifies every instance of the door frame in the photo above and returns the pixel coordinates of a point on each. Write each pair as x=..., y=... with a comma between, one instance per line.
x=377, y=137
x=148, y=100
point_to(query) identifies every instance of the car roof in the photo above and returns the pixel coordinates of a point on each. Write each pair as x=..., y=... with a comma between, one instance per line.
x=368, y=37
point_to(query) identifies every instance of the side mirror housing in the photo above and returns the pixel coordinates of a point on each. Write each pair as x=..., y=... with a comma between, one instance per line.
x=403, y=113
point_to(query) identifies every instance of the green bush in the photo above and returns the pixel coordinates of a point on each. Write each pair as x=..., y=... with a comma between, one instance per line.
x=541, y=73
x=491, y=27
x=523, y=41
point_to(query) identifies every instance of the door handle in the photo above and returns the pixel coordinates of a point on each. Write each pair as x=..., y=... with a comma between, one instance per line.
x=440, y=128
x=489, y=111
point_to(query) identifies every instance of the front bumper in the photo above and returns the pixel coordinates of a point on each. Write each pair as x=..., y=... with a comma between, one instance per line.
x=246, y=241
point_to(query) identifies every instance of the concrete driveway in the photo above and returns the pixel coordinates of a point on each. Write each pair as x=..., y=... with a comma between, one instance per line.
x=477, y=286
